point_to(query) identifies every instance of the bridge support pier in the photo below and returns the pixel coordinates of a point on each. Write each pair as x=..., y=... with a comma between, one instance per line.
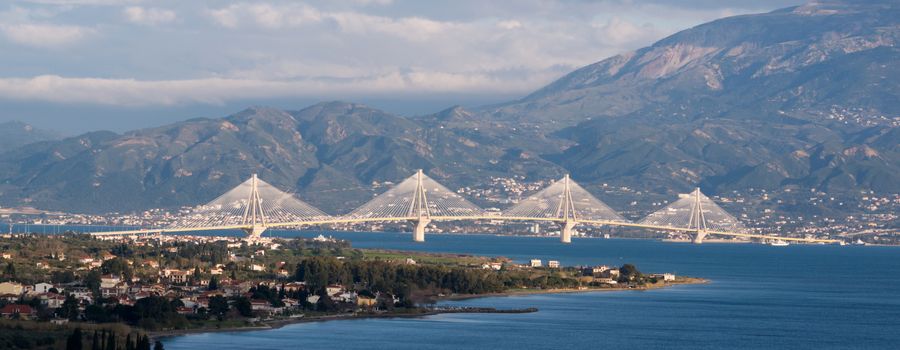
x=254, y=232
x=698, y=238
x=419, y=231
x=565, y=234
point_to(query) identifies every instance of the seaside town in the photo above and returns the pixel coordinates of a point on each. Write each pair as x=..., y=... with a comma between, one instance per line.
x=160, y=283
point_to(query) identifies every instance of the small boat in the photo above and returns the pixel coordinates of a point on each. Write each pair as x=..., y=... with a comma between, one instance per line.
x=779, y=243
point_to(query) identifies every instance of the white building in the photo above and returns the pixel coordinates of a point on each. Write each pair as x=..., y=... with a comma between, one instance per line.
x=553, y=264
x=43, y=287
x=536, y=263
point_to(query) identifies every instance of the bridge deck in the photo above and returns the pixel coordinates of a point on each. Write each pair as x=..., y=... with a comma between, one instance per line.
x=340, y=220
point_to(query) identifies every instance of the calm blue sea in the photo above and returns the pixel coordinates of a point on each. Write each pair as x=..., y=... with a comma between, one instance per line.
x=761, y=297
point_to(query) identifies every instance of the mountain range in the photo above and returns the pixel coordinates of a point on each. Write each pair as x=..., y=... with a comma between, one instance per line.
x=801, y=97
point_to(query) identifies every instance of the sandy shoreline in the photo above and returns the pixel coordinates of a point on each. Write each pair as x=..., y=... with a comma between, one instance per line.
x=275, y=324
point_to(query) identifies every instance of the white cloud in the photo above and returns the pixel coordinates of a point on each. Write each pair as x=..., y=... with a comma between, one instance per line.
x=281, y=48
x=269, y=16
x=618, y=31
x=264, y=15
x=44, y=35
x=510, y=24
x=131, y=92
x=149, y=16
x=84, y=2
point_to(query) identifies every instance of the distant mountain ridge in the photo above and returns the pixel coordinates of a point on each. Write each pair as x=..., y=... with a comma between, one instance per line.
x=801, y=60
x=335, y=148
x=803, y=97
x=15, y=134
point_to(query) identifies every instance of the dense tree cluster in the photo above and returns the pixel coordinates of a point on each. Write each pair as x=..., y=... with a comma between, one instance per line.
x=404, y=279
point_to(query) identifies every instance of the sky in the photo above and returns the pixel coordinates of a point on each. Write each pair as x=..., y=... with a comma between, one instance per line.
x=83, y=65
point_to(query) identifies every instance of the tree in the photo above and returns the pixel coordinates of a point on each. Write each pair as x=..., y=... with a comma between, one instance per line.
x=117, y=266
x=218, y=306
x=10, y=271
x=143, y=343
x=95, y=343
x=69, y=308
x=111, y=341
x=629, y=272
x=243, y=306
x=213, y=283
x=62, y=277
x=74, y=340
x=158, y=346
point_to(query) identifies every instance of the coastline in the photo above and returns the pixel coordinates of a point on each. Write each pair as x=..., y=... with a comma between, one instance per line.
x=278, y=323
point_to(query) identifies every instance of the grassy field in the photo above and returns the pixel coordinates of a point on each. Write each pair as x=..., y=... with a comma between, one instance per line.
x=426, y=258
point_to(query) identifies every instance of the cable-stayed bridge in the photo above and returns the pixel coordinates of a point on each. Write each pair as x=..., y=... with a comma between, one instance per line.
x=255, y=206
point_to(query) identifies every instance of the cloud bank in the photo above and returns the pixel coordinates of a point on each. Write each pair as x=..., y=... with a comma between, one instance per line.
x=129, y=53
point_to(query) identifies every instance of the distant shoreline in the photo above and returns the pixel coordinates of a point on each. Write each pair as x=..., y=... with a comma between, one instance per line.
x=276, y=324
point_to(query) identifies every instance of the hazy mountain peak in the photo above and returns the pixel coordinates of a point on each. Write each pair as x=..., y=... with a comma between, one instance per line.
x=14, y=134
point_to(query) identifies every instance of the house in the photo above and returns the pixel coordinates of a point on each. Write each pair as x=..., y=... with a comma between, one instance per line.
x=410, y=261
x=293, y=286
x=9, y=298
x=667, y=277
x=283, y=273
x=85, y=260
x=365, y=301
x=43, y=287
x=334, y=289
x=11, y=288
x=492, y=266
x=261, y=305
x=118, y=289
x=6, y=255
x=553, y=264
x=535, y=262
x=605, y=280
x=345, y=297
x=601, y=271
x=109, y=281
x=184, y=310
x=52, y=300
x=216, y=271
x=179, y=276
x=107, y=256
x=12, y=310
x=291, y=303
x=312, y=299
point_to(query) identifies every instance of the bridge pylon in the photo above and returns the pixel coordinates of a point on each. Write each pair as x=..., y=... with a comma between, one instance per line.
x=254, y=218
x=567, y=203
x=418, y=208
x=252, y=206
x=419, y=200
x=567, y=209
x=697, y=214
x=698, y=220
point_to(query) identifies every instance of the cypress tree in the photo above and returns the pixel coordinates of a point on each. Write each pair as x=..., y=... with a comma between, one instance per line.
x=75, y=342
x=128, y=344
x=95, y=343
x=143, y=343
x=111, y=341
x=158, y=346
